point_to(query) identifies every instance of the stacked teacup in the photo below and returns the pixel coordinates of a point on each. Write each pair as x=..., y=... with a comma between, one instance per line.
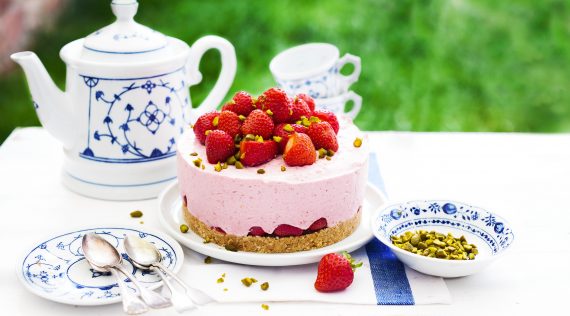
x=314, y=69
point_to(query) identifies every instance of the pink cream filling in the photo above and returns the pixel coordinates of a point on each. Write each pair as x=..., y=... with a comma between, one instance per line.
x=236, y=200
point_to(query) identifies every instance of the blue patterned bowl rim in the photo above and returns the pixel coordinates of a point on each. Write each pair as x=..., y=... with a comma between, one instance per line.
x=396, y=218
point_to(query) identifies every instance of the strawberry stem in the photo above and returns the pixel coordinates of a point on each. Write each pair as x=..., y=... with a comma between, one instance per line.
x=353, y=264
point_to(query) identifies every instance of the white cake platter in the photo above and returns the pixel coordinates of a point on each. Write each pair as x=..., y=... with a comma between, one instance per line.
x=171, y=217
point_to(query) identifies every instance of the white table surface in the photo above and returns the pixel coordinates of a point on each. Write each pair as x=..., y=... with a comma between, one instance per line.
x=523, y=177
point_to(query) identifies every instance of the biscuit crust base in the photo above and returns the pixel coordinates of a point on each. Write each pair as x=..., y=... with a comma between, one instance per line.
x=318, y=239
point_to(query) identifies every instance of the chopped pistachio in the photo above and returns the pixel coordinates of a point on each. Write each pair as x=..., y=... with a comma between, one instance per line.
x=237, y=155
x=249, y=137
x=224, y=165
x=225, y=289
x=288, y=128
x=218, y=167
x=220, y=280
x=231, y=247
x=328, y=157
x=231, y=161
x=206, y=241
x=184, y=228
x=265, y=306
x=305, y=122
x=269, y=112
x=203, y=167
x=207, y=132
x=194, y=154
x=241, y=118
x=283, y=168
x=239, y=165
x=435, y=245
x=357, y=142
x=260, y=171
x=136, y=214
x=208, y=260
x=277, y=139
x=330, y=153
x=314, y=119
x=216, y=120
x=197, y=162
x=247, y=281
x=259, y=138
x=264, y=286
x=322, y=153
x=141, y=222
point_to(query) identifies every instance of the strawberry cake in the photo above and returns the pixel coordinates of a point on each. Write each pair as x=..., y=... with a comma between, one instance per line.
x=271, y=174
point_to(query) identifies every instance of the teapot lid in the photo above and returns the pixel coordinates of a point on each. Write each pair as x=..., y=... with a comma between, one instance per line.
x=125, y=36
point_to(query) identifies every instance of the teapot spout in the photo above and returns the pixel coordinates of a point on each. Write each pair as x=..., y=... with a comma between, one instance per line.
x=52, y=105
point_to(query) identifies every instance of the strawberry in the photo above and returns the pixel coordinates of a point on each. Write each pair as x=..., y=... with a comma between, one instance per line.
x=219, y=146
x=255, y=153
x=241, y=104
x=219, y=230
x=256, y=231
x=335, y=272
x=329, y=117
x=285, y=230
x=229, y=122
x=280, y=131
x=323, y=136
x=299, y=151
x=258, y=123
x=310, y=102
x=278, y=103
x=299, y=108
x=318, y=224
x=203, y=124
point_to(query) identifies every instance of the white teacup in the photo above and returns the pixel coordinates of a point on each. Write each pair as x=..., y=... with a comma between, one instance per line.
x=314, y=69
x=337, y=105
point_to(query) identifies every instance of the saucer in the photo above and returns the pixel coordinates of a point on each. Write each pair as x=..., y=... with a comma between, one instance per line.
x=56, y=269
x=171, y=217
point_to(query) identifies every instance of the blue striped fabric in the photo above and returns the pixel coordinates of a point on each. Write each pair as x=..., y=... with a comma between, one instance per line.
x=390, y=282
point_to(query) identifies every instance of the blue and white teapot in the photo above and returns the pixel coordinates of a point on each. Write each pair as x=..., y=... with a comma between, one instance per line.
x=126, y=102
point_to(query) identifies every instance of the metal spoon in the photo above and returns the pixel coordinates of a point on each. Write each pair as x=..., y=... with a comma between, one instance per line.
x=145, y=256
x=102, y=254
x=132, y=304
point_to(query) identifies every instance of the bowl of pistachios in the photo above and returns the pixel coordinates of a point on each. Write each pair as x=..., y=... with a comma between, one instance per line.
x=441, y=237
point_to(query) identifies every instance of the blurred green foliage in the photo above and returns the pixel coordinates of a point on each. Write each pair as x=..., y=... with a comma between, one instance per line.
x=441, y=65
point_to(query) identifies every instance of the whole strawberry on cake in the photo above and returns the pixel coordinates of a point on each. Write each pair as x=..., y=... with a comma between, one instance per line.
x=272, y=174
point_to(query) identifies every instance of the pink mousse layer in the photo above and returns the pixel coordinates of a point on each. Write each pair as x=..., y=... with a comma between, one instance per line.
x=237, y=199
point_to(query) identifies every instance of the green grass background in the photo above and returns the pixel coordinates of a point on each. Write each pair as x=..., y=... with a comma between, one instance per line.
x=442, y=65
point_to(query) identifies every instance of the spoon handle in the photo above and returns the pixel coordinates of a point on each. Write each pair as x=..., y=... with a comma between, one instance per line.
x=151, y=298
x=197, y=296
x=132, y=305
x=180, y=300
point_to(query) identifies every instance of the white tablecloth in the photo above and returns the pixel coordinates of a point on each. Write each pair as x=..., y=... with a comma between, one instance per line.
x=523, y=177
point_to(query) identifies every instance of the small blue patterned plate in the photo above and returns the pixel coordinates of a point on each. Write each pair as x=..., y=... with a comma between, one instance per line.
x=56, y=269
x=489, y=232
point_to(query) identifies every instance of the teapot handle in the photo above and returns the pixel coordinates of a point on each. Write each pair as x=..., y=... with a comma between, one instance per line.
x=225, y=78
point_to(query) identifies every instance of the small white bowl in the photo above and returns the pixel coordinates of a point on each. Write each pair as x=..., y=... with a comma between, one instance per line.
x=490, y=233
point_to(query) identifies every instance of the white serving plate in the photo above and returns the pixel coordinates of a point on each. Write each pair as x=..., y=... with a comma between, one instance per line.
x=171, y=217
x=55, y=268
x=492, y=234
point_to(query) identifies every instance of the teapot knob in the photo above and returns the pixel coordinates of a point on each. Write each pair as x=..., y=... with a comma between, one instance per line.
x=124, y=10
